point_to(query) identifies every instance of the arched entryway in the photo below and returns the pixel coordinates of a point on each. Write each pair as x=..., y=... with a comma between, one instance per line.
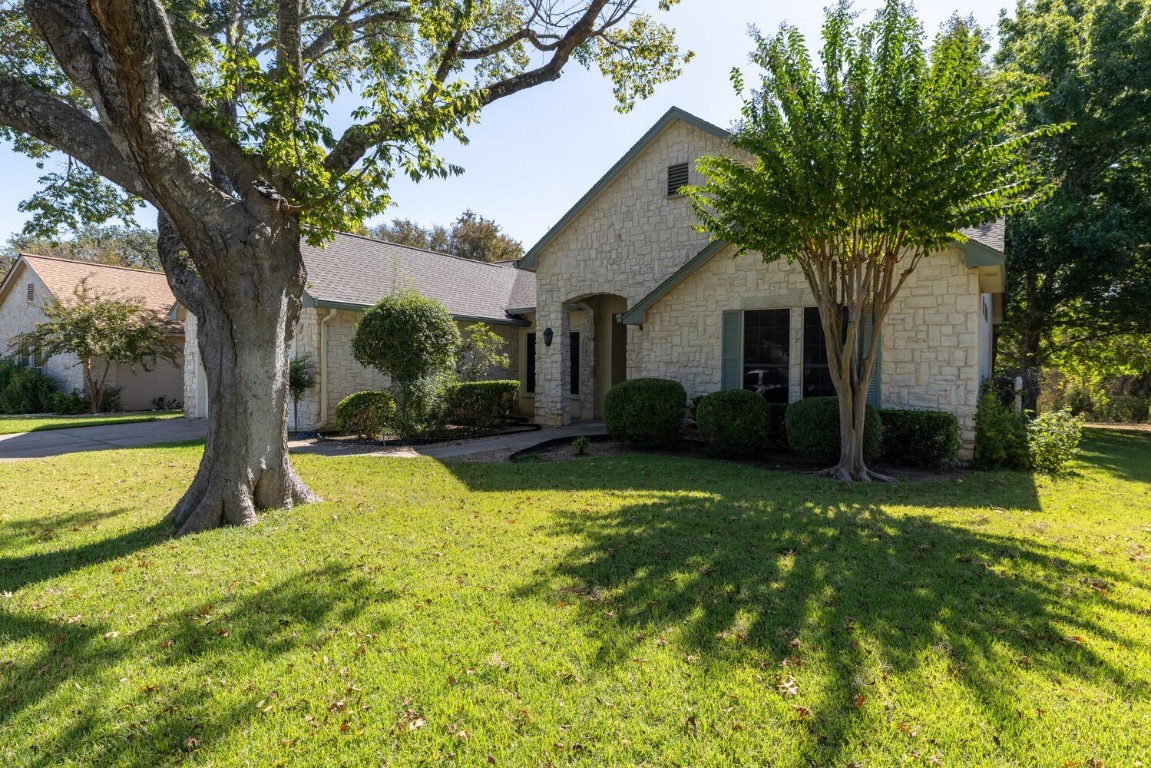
x=606, y=355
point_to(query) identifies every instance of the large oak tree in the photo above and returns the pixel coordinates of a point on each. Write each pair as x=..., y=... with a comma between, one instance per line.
x=860, y=167
x=218, y=113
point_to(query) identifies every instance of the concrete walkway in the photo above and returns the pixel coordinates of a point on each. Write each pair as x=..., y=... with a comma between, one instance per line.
x=456, y=449
x=58, y=442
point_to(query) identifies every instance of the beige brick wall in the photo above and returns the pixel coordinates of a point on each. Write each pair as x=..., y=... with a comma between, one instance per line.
x=930, y=340
x=18, y=315
x=625, y=242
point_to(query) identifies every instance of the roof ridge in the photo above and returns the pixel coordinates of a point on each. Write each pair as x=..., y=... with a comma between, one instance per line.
x=420, y=250
x=23, y=255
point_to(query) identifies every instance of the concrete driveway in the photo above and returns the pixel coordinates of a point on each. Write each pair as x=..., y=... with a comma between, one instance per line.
x=56, y=442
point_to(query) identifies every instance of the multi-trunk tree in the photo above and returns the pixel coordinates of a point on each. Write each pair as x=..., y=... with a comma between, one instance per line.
x=217, y=113
x=858, y=168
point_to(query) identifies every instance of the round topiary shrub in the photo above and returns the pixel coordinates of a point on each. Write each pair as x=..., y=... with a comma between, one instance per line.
x=365, y=413
x=735, y=423
x=645, y=412
x=813, y=430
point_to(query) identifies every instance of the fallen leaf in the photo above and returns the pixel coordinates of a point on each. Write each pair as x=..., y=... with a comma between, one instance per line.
x=419, y=722
x=786, y=685
x=802, y=712
x=111, y=635
x=860, y=700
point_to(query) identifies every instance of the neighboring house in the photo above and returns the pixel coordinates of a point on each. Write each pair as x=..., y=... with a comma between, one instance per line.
x=351, y=274
x=34, y=281
x=627, y=288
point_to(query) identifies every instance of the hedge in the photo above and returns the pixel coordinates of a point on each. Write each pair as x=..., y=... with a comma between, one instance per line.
x=365, y=413
x=734, y=423
x=928, y=439
x=645, y=412
x=813, y=430
x=480, y=404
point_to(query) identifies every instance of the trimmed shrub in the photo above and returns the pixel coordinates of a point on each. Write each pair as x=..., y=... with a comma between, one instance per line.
x=813, y=430
x=777, y=427
x=480, y=404
x=1052, y=440
x=365, y=413
x=928, y=439
x=24, y=389
x=645, y=412
x=734, y=423
x=1000, y=435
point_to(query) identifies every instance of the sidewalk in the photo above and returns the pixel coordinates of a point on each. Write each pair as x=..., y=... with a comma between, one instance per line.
x=457, y=449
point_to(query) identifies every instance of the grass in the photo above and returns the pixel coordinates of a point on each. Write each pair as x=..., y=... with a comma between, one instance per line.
x=625, y=610
x=11, y=425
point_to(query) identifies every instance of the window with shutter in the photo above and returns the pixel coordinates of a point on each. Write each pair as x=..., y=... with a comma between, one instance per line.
x=767, y=353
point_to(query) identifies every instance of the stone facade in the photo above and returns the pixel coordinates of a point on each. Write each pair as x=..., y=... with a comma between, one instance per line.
x=624, y=243
x=930, y=341
x=632, y=236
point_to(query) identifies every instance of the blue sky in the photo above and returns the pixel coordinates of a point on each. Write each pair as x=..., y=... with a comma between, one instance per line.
x=534, y=154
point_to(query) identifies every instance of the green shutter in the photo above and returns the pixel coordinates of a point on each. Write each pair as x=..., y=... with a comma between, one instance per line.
x=731, y=344
x=873, y=397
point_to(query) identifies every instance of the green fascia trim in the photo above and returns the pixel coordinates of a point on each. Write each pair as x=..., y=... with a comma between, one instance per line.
x=312, y=302
x=522, y=311
x=979, y=255
x=529, y=260
x=637, y=314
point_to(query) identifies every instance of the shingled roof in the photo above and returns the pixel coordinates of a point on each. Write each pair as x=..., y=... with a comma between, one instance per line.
x=354, y=272
x=61, y=276
x=991, y=235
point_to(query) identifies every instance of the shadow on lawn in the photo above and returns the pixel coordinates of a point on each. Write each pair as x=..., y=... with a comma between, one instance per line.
x=1113, y=449
x=736, y=570
x=20, y=571
x=161, y=713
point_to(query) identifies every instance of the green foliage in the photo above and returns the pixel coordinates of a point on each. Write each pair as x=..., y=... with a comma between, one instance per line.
x=1000, y=436
x=301, y=378
x=1052, y=439
x=118, y=245
x=471, y=236
x=24, y=389
x=406, y=336
x=813, y=430
x=1080, y=263
x=928, y=439
x=364, y=414
x=735, y=423
x=645, y=412
x=1126, y=408
x=480, y=351
x=71, y=404
x=413, y=340
x=581, y=445
x=102, y=331
x=480, y=404
x=865, y=162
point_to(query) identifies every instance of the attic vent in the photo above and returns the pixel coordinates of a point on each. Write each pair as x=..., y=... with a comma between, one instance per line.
x=676, y=178
x=31, y=292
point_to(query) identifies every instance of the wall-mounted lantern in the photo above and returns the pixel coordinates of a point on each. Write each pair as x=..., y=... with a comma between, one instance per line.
x=548, y=336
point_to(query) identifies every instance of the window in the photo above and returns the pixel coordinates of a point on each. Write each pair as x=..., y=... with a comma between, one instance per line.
x=31, y=292
x=766, y=353
x=676, y=178
x=530, y=365
x=816, y=374
x=575, y=362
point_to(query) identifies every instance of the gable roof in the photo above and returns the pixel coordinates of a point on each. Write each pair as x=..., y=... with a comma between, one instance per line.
x=61, y=276
x=354, y=272
x=984, y=248
x=675, y=113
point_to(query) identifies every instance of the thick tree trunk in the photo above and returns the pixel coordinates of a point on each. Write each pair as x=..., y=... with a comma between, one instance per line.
x=245, y=322
x=852, y=417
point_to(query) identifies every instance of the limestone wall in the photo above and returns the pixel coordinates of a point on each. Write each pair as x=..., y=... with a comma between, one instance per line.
x=930, y=340
x=18, y=315
x=625, y=242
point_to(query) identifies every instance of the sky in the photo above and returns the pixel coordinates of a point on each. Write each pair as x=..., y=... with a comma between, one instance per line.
x=534, y=154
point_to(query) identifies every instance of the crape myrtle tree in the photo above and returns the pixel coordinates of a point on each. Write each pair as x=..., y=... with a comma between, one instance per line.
x=1080, y=262
x=218, y=114
x=101, y=330
x=860, y=166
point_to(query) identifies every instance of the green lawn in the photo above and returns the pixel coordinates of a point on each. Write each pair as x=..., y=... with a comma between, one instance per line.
x=11, y=425
x=611, y=611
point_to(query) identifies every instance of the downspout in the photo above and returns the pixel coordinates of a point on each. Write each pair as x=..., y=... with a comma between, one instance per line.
x=323, y=383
